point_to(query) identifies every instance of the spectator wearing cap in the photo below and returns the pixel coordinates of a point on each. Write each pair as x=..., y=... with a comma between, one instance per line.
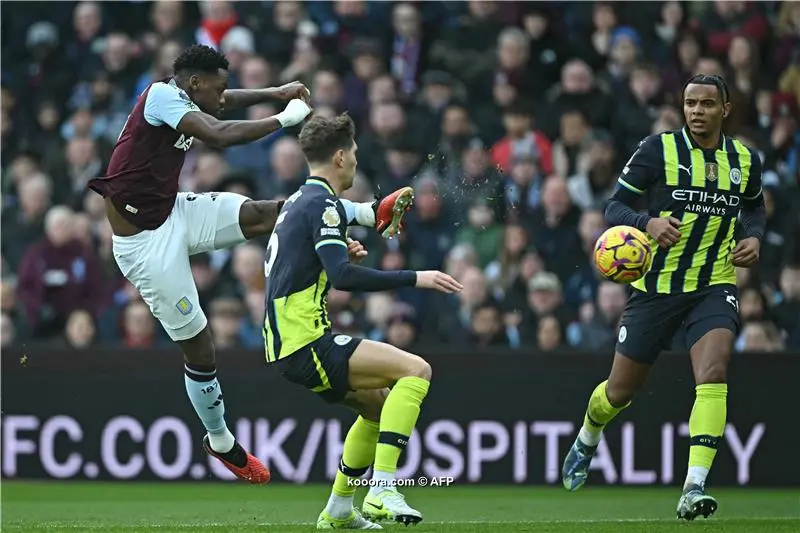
x=522, y=139
x=402, y=330
x=554, y=229
x=238, y=45
x=40, y=77
x=626, y=49
x=58, y=275
x=593, y=184
x=409, y=47
x=545, y=297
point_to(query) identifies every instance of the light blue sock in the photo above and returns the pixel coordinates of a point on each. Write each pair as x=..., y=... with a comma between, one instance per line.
x=205, y=394
x=360, y=213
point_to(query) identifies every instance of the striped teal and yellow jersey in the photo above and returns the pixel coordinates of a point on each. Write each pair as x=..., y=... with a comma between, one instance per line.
x=703, y=188
x=297, y=285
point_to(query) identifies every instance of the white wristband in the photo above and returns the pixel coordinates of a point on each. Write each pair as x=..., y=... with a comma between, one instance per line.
x=296, y=110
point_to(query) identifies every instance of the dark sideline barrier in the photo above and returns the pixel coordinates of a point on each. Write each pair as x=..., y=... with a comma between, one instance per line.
x=490, y=417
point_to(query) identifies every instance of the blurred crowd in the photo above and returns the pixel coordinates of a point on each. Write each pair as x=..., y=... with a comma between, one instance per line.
x=511, y=120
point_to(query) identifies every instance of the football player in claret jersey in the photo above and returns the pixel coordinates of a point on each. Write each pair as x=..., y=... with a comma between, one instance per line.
x=700, y=185
x=307, y=254
x=156, y=228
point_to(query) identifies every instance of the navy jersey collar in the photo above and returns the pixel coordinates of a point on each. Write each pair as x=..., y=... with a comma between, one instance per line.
x=320, y=182
x=691, y=144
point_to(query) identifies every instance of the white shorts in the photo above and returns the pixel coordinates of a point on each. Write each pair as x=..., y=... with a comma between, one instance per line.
x=157, y=261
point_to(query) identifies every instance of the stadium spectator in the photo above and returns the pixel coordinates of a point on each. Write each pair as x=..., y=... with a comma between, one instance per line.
x=58, y=275
x=549, y=334
x=138, y=326
x=80, y=331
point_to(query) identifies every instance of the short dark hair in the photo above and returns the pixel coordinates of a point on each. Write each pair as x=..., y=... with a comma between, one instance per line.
x=321, y=137
x=705, y=79
x=200, y=58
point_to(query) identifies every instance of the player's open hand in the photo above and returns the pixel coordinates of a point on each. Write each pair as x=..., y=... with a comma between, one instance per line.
x=356, y=251
x=746, y=252
x=294, y=90
x=439, y=281
x=664, y=230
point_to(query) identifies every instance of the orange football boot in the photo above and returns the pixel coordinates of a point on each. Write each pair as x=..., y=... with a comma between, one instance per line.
x=251, y=469
x=389, y=211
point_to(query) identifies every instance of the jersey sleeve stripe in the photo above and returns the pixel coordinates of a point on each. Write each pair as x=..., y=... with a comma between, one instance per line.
x=629, y=186
x=326, y=242
x=756, y=195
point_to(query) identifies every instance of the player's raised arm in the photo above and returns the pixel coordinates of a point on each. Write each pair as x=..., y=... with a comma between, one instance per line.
x=223, y=133
x=195, y=96
x=640, y=172
x=239, y=98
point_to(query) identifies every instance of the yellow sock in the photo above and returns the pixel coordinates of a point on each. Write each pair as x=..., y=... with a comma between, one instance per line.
x=706, y=427
x=599, y=413
x=358, y=454
x=398, y=418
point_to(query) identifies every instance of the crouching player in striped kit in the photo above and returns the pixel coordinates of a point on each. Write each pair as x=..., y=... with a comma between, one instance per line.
x=699, y=185
x=306, y=255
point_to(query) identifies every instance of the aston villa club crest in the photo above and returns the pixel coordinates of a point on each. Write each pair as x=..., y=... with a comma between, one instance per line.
x=711, y=171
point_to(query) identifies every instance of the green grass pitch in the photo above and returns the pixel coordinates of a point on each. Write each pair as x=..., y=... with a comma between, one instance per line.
x=138, y=507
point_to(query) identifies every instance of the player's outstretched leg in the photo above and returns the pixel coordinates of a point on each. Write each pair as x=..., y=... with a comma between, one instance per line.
x=357, y=457
x=205, y=394
x=607, y=400
x=710, y=356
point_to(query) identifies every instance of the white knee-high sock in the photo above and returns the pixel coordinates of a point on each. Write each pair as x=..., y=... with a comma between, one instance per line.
x=205, y=394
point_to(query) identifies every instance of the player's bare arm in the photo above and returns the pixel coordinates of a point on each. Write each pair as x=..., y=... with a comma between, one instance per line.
x=224, y=133
x=239, y=98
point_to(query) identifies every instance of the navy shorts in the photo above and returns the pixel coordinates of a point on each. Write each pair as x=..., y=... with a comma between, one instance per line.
x=651, y=321
x=322, y=366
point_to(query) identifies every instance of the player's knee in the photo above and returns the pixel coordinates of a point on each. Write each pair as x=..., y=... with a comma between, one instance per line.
x=619, y=395
x=713, y=372
x=419, y=367
x=200, y=349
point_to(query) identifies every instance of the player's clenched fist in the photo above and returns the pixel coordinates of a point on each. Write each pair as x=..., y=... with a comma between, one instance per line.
x=293, y=90
x=433, y=279
x=664, y=230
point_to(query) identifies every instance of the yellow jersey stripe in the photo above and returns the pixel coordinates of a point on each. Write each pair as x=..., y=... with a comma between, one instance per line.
x=745, y=162
x=698, y=169
x=629, y=186
x=670, y=158
x=674, y=253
